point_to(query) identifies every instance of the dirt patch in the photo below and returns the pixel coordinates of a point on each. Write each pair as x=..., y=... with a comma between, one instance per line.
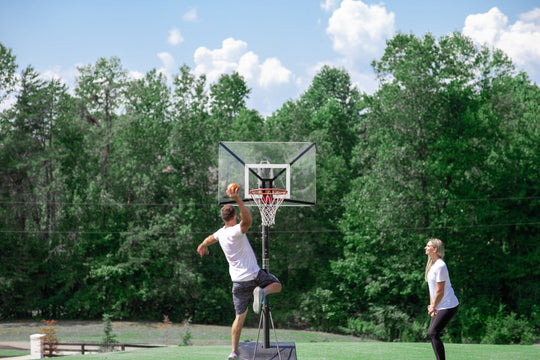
x=15, y=345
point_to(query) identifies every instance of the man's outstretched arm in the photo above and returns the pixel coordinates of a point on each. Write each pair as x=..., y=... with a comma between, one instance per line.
x=202, y=249
x=245, y=214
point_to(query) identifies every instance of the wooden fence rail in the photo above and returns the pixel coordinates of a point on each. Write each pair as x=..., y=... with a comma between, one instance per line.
x=52, y=350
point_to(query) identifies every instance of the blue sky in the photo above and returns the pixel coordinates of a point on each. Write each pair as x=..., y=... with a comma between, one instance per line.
x=277, y=45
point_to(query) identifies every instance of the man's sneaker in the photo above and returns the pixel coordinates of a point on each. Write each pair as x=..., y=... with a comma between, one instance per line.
x=233, y=356
x=258, y=299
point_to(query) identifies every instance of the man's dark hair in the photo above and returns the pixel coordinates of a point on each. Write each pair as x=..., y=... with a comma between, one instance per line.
x=227, y=212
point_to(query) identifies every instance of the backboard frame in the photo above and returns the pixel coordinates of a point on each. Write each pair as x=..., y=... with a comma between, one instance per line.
x=287, y=165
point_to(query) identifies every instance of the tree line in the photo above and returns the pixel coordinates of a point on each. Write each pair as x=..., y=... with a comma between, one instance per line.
x=107, y=188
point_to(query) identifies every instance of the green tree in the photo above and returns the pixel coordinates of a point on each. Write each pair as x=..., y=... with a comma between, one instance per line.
x=192, y=154
x=141, y=141
x=147, y=273
x=328, y=113
x=7, y=72
x=109, y=337
x=228, y=96
x=511, y=183
x=98, y=210
x=190, y=151
x=21, y=127
x=247, y=125
x=101, y=87
x=33, y=189
x=425, y=165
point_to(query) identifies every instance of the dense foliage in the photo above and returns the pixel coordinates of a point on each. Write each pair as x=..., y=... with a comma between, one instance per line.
x=106, y=191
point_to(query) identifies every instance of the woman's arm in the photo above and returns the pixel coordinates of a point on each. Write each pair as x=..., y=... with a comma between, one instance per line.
x=439, y=293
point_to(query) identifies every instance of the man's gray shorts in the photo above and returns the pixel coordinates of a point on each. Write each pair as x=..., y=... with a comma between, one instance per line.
x=243, y=290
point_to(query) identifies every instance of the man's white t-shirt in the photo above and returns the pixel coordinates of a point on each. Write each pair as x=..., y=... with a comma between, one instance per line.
x=438, y=273
x=237, y=249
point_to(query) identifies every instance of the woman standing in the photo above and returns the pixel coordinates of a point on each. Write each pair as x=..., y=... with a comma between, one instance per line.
x=443, y=303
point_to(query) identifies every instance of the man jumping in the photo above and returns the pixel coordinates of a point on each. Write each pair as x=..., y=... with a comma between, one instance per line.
x=248, y=278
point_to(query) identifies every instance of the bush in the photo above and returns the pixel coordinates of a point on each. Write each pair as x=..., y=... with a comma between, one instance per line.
x=186, y=334
x=470, y=324
x=417, y=331
x=321, y=310
x=386, y=323
x=51, y=340
x=508, y=329
x=109, y=338
x=360, y=327
x=215, y=307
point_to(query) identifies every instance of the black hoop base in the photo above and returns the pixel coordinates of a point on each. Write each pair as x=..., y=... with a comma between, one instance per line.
x=287, y=350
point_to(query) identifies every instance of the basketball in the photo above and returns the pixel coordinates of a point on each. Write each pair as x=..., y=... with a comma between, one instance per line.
x=232, y=187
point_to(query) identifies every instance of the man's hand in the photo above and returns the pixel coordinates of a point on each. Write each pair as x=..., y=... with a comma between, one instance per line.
x=245, y=215
x=232, y=192
x=203, y=249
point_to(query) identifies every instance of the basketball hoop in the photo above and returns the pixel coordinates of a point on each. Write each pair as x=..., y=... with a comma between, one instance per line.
x=268, y=201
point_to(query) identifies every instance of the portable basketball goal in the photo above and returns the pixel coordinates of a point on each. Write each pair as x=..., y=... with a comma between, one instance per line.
x=270, y=175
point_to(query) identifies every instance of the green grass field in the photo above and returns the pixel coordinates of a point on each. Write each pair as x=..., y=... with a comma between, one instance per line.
x=341, y=351
x=212, y=342
x=12, y=353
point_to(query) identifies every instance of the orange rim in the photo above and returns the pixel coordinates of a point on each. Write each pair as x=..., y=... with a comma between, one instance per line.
x=267, y=192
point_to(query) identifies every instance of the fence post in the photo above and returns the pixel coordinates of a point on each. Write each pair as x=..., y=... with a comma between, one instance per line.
x=37, y=346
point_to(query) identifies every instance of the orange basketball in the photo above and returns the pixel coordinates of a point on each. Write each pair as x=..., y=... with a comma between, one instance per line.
x=232, y=187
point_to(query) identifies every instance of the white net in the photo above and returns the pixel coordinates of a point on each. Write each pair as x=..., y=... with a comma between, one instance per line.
x=268, y=201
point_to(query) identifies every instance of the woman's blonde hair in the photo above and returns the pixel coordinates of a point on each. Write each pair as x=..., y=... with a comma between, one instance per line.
x=439, y=245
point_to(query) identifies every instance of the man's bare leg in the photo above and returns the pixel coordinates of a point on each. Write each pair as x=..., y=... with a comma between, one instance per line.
x=237, y=330
x=273, y=288
x=259, y=295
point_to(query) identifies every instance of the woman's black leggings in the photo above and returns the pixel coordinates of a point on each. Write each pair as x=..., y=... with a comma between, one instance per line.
x=436, y=327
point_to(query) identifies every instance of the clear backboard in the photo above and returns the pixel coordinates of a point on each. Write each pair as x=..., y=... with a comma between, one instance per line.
x=283, y=165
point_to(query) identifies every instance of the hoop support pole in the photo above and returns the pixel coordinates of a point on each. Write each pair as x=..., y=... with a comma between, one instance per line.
x=268, y=201
x=265, y=266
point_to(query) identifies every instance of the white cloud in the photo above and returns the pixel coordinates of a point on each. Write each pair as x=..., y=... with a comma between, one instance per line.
x=168, y=63
x=329, y=5
x=136, y=75
x=66, y=76
x=248, y=66
x=234, y=56
x=485, y=28
x=273, y=73
x=357, y=29
x=8, y=101
x=213, y=63
x=191, y=15
x=531, y=16
x=55, y=73
x=521, y=40
x=364, y=81
x=175, y=36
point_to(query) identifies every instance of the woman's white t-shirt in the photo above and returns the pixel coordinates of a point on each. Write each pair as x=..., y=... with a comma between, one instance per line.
x=439, y=273
x=237, y=249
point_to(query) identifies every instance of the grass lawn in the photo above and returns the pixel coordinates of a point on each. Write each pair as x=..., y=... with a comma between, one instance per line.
x=131, y=332
x=212, y=342
x=13, y=353
x=340, y=350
